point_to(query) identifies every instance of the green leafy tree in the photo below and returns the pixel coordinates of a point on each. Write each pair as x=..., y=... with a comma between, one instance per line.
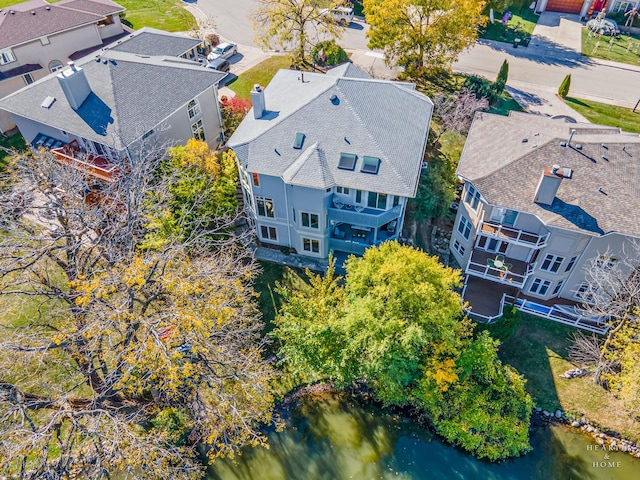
x=423, y=35
x=327, y=53
x=563, y=90
x=503, y=75
x=397, y=323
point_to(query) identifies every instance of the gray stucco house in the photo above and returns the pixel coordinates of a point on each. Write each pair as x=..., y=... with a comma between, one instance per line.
x=328, y=161
x=112, y=105
x=543, y=199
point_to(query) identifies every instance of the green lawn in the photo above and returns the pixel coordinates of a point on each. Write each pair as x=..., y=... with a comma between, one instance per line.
x=605, y=114
x=260, y=74
x=13, y=142
x=505, y=104
x=520, y=26
x=538, y=350
x=166, y=15
x=624, y=49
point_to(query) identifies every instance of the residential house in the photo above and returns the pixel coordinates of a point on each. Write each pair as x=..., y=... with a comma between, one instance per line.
x=585, y=8
x=152, y=42
x=542, y=199
x=112, y=106
x=37, y=38
x=327, y=162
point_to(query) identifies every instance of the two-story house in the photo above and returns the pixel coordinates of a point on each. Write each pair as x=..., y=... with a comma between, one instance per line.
x=327, y=162
x=542, y=199
x=117, y=105
x=37, y=38
x=584, y=8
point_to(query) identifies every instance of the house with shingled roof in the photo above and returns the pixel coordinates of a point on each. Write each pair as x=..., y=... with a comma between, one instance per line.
x=38, y=38
x=327, y=162
x=542, y=200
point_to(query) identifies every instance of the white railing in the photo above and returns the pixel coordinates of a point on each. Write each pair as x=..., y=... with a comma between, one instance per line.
x=506, y=277
x=513, y=235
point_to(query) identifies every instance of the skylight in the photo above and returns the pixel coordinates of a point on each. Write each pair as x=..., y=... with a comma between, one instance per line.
x=299, y=140
x=347, y=161
x=370, y=165
x=47, y=102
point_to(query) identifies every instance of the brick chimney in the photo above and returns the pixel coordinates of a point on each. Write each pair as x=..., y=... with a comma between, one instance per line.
x=257, y=98
x=75, y=85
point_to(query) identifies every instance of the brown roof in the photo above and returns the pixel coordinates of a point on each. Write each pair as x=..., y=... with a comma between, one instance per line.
x=27, y=21
x=603, y=194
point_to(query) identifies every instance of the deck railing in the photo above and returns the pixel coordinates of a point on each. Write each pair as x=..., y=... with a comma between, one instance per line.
x=98, y=167
x=513, y=235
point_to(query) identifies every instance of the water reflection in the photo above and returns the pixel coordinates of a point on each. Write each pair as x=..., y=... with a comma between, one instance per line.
x=334, y=438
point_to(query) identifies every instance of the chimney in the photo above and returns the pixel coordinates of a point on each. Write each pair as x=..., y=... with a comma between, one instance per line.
x=549, y=183
x=257, y=98
x=75, y=85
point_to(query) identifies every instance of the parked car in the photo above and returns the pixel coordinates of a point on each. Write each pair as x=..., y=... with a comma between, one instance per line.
x=604, y=27
x=219, y=64
x=224, y=50
x=342, y=15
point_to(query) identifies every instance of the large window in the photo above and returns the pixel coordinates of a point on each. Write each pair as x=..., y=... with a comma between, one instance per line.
x=311, y=245
x=198, y=130
x=269, y=233
x=342, y=190
x=472, y=197
x=551, y=263
x=464, y=227
x=539, y=286
x=55, y=65
x=558, y=287
x=193, y=108
x=265, y=207
x=377, y=200
x=457, y=246
x=7, y=56
x=571, y=263
x=309, y=220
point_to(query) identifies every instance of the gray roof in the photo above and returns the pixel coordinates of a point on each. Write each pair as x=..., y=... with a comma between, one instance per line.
x=603, y=194
x=369, y=117
x=130, y=96
x=27, y=21
x=347, y=69
x=148, y=41
x=99, y=7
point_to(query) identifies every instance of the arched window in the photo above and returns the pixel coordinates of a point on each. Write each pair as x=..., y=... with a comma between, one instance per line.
x=55, y=65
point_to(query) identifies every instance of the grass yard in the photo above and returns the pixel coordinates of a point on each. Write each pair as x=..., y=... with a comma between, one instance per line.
x=538, y=350
x=166, y=15
x=624, y=49
x=605, y=114
x=260, y=74
x=13, y=142
x=505, y=104
x=521, y=26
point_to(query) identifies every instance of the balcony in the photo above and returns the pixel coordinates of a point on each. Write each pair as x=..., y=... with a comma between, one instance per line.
x=99, y=167
x=365, y=216
x=481, y=265
x=357, y=238
x=513, y=235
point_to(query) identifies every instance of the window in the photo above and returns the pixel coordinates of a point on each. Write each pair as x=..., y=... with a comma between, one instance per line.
x=539, y=286
x=309, y=220
x=551, y=263
x=342, y=190
x=370, y=165
x=148, y=134
x=473, y=197
x=265, y=207
x=510, y=217
x=396, y=200
x=55, y=65
x=106, y=21
x=298, y=141
x=310, y=245
x=605, y=262
x=358, y=196
x=198, y=130
x=347, y=161
x=464, y=227
x=193, y=108
x=570, y=264
x=558, y=287
x=256, y=179
x=377, y=200
x=7, y=56
x=623, y=6
x=269, y=233
x=457, y=246
x=584, y=292
x=28, y=79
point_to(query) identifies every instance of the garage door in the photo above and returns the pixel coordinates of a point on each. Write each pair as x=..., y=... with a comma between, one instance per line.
x=564, y=6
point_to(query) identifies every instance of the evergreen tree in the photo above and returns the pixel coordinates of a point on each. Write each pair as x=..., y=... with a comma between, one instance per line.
x=563, y=91
x=503, y=75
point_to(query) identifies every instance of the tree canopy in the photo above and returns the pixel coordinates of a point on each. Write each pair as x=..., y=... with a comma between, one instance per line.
x=115, y=358
x=423, y=35
x=397, y=324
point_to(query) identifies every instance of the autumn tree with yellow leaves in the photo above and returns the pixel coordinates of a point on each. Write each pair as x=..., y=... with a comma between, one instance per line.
x=116, y=358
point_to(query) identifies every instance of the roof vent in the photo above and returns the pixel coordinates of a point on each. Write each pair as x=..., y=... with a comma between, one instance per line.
x=12, y=12
x=605, y=147
x=578, y=146
x=33, y=12
x=47, y=8
x=604, y=157
x=602, y=191
x=47, y=102
x=334, y=99
x=525, y=140
x=563, y=144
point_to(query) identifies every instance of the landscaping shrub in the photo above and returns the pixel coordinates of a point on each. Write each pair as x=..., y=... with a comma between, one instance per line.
x=503, y=75
x=234, y=110
x=482, y=87
x=563, y=91
x=327, y=53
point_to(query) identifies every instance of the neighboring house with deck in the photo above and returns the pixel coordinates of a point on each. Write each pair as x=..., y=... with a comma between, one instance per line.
x=327, y=162
x=38, y=38
x=541, y=200
x=117, y=105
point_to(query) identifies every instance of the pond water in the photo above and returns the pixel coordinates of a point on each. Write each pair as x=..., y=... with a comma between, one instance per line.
x=332, y=437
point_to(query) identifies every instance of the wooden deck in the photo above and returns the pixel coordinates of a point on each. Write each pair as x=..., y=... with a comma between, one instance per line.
x=507, y=233
x=98, y=167
x=484, y=297
x=479, y=266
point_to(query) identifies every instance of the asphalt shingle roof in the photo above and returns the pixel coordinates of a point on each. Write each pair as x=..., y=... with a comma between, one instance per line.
x=148, y=41
x=130, y=95
x=370, y=117
x=603, y=194
x=99, y=7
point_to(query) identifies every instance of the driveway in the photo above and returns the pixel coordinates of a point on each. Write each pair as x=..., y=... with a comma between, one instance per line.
x=557, y=33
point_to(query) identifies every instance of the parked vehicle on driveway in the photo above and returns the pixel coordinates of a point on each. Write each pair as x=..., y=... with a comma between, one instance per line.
x=605, y=26
x=224, y=50
x=219, y=64
x=342, y=15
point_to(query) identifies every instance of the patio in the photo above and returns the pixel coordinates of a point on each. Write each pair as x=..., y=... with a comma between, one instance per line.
x=485, y=297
